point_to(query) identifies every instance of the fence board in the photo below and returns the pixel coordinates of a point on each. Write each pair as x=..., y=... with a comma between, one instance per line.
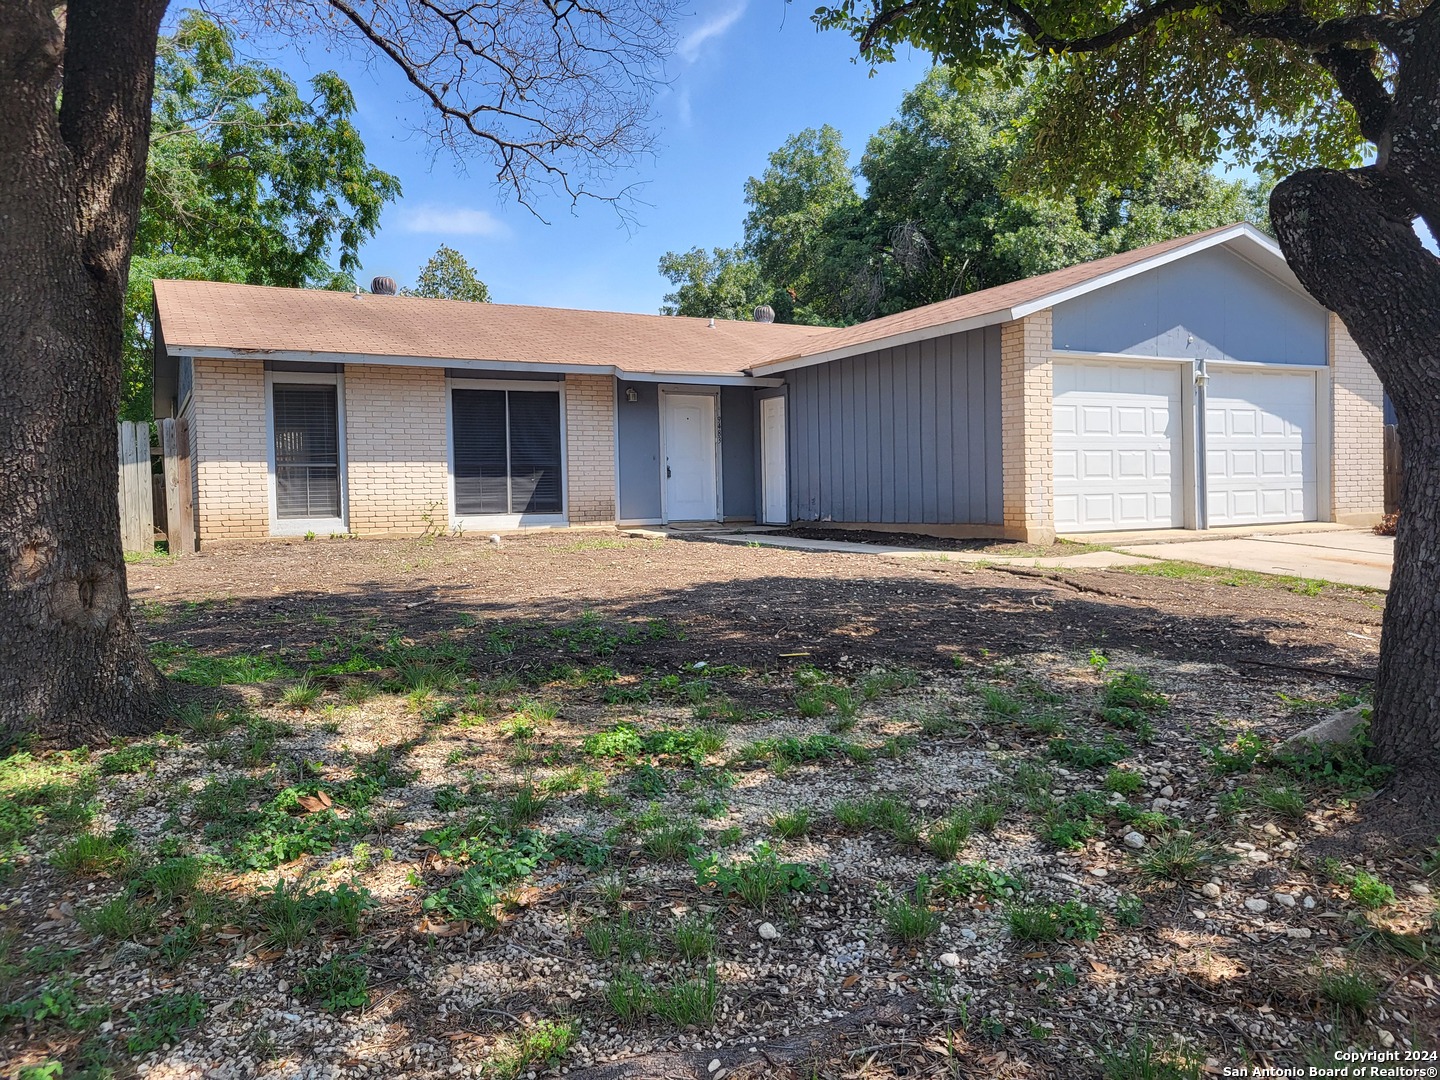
x=1394, y=468
x=184, y=541
x=134, y=489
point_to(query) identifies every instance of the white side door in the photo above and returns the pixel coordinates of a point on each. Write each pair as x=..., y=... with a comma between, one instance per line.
x=688, y=427
x=1117, y=445
x=1260, y=446
x=774, y=483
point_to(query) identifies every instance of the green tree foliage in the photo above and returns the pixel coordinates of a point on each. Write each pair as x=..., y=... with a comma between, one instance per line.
x=720, y=284
x=948, y=208
x=250, y=179
x=447, y=276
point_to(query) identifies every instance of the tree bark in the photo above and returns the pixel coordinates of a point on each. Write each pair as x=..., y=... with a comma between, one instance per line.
x=1350, y=240
x=73, y=140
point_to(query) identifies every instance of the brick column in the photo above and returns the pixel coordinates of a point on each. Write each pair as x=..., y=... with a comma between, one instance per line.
x=1357, y=446
x=590, y=448
x=1026, y=428
x=395, y=448
x=228, y=455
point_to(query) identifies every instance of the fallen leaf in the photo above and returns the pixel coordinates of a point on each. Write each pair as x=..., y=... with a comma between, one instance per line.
x=1101, y=969
x=1035, y=956
x=313, y=803
x=849, y=981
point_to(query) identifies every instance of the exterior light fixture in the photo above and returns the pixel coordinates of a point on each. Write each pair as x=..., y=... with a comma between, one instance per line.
x=631, y=394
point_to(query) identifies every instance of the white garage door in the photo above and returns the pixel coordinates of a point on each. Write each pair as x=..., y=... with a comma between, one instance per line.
x=1117, y=445
x=1260, y=446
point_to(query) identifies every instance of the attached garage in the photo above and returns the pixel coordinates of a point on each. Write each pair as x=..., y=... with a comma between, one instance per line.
x=1118, y=445
x=1261, y=446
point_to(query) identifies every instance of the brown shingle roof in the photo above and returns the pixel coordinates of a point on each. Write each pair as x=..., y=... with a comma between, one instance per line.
x=260, y=320
x=977, y=305
x=263, y=320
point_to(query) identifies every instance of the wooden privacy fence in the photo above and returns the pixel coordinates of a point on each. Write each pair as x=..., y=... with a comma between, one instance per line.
x=147, y=499
x=1394, y=468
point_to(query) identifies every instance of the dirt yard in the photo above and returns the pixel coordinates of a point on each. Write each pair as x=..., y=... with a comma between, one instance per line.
x=580, y=804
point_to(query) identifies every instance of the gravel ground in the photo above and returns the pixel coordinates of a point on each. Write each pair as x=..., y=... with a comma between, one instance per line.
x=444, y=698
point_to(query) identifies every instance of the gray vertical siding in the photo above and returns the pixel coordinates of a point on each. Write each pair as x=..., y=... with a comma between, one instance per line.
x=737, y=452
x=906, y=435
x=637, y=429
x=1212, y=305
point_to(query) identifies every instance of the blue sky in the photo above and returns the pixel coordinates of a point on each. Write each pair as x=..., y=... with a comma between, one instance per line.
x=747, y=74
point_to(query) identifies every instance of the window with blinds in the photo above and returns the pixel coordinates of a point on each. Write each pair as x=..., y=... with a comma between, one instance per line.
x=507, y=452
x=307, y=451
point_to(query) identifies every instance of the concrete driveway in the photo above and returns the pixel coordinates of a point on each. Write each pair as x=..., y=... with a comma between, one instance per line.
x=1348, y=556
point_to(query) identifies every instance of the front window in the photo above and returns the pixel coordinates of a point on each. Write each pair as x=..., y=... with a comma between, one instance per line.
x=307, y=451
x=507, y=452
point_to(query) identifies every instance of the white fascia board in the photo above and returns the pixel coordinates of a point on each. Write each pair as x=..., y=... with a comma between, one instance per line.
x=478, y=366
x=959, y=326
x=1268, y=257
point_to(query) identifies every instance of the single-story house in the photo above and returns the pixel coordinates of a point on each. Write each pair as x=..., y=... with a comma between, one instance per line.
x=1192, y=384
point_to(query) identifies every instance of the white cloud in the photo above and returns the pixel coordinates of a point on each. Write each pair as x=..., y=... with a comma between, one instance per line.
x=683, y=107
x=713, y=27
x=451, y=221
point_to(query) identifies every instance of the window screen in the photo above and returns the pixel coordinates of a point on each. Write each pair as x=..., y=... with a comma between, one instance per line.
x=507, y=452
x=307, y=451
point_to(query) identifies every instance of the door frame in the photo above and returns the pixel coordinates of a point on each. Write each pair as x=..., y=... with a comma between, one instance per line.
x=781, y=401
x=679, y=390
x=301, y=526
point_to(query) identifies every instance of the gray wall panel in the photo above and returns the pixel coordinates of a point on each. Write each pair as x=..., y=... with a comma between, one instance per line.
x=1212, y=305
x=637, y=427
x=903, y=435
x=737, y=451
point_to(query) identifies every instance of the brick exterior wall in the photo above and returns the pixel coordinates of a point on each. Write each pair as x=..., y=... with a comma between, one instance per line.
x=229, y=456
x=1357, y=462
x=395, y=448
x=1026, y=428
x=590, y=448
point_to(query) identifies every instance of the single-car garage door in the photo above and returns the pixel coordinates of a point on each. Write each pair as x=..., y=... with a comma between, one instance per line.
x=1260, y=454
x=1117, y=445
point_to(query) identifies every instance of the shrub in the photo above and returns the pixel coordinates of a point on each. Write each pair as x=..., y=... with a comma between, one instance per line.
x=1370, y=892
x=1123, y=781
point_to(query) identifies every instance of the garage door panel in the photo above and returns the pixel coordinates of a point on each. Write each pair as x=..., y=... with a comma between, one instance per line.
x=1260, y=446
x=1128, y=470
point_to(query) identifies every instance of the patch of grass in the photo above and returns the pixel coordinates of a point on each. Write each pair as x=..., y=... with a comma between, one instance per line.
x=160, y=1021
x=524, y=806
x=1181, y=857
x=1129, y=910
x=620, y=937
x=1242, y=755
x=1286, y=800
x=1370, y=892
x=627, y=996
x=792, y=825
x=887, y=681
x=909, y=920
x=626, y=742
x=1349, y=988
x=184, y=664
x=1000, y=705
x=1084, y=755
x=1179, y=570
x=121, y=918
x=257, y=743
x=759, y=880
x=688, y=1004
x=1336, y=766
x=673, y=842
x=223, y=797
x=966, y=880
x=1123, y=781
x=1070, y=921
x=94, y=853
x=793, y=750
x=1133, y=690
x=496, y=859
x=542, y=1046
x=948, y=835
x=203, y=722
x=342, y=982
x=1142, y=1058
x=824, y=699
x=129, y=759
x=694, y=937
x=301, y=695
x=173, y=879
x=881, y=813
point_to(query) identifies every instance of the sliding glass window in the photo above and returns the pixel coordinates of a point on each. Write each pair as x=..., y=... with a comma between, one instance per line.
x=507, y=452
x=307, y=451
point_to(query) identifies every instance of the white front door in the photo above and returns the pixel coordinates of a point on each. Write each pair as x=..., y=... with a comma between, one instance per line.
x=774, y=483
x=1260, y=450
x=689, y=431
x=1117, y=445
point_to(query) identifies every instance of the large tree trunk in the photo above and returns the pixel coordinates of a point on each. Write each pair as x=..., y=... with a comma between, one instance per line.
x=73, y=139
x=1350, y=238
x=1366, y=264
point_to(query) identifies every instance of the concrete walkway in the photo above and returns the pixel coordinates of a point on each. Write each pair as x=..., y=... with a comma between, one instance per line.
x=1350, y=556
x=1330, y=553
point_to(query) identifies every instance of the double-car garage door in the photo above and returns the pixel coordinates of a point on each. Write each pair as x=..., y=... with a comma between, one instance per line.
x=1120, y=444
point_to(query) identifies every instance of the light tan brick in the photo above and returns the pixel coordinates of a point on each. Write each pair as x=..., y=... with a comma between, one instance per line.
x=1357, y=463
x=1026, y=428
